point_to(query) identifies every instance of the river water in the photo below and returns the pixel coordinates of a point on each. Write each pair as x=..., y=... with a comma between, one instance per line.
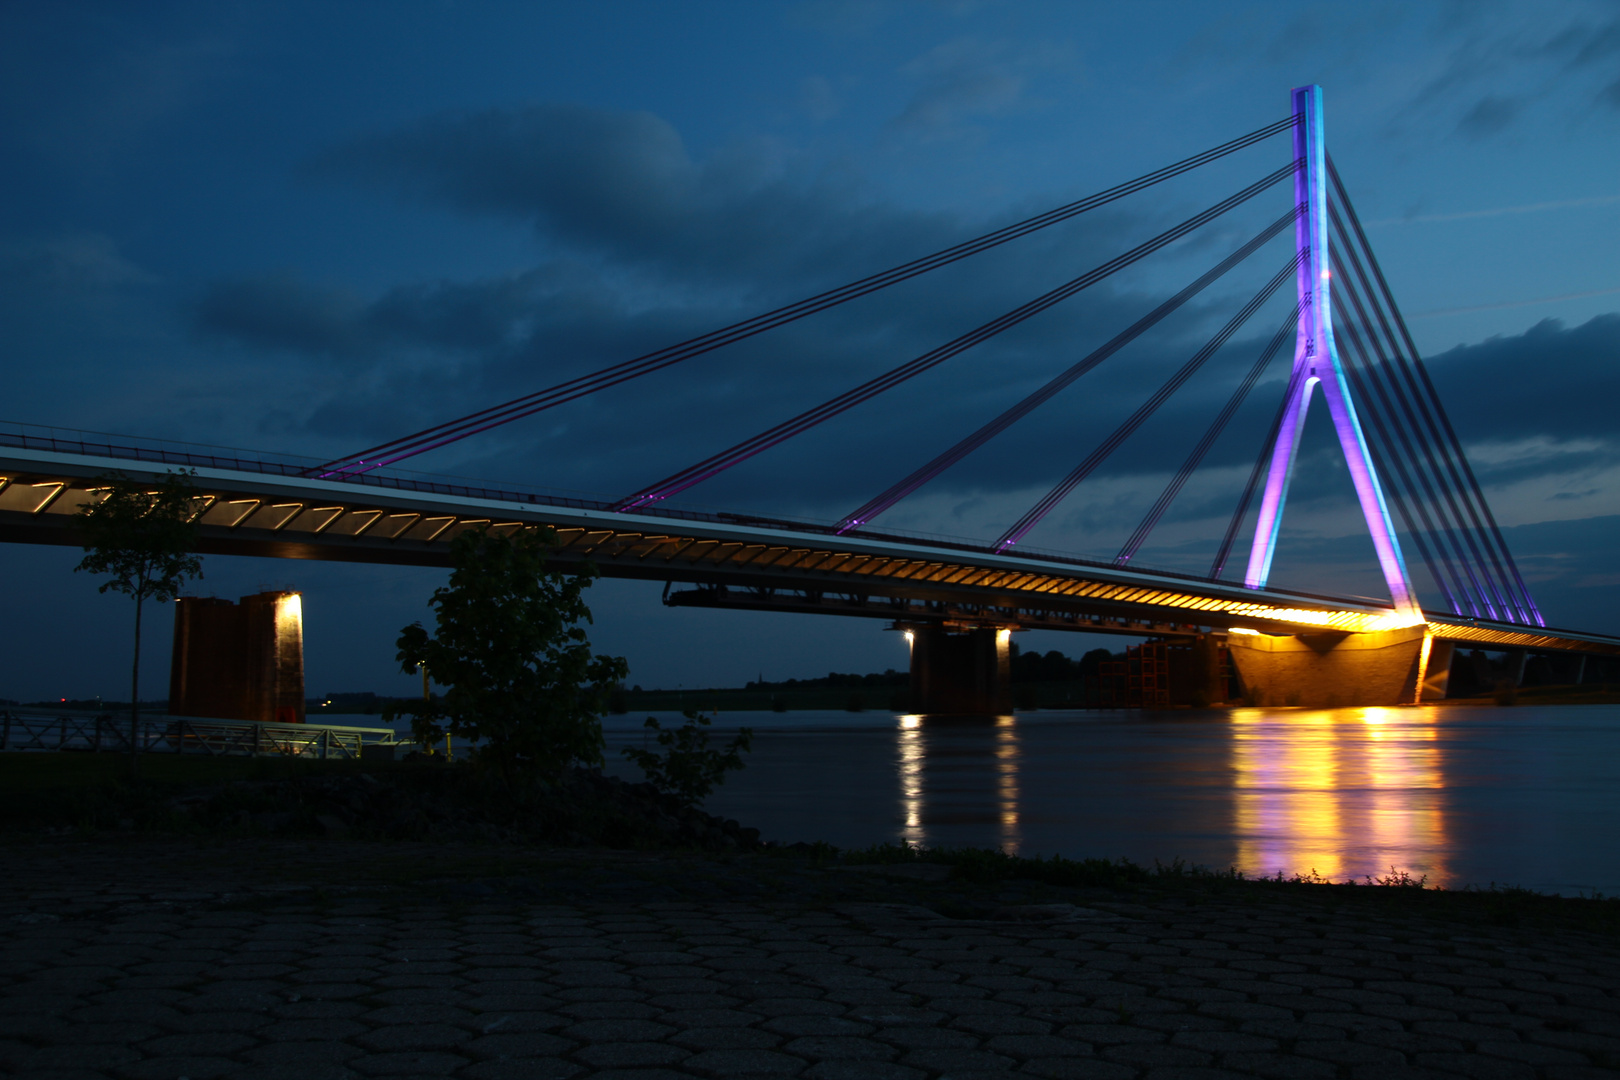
x=1526, y=795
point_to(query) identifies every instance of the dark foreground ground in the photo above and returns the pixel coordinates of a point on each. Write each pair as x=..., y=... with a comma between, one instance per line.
x=314, y=959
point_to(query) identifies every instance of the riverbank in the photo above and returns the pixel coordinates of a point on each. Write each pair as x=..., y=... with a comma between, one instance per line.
x=196, y=957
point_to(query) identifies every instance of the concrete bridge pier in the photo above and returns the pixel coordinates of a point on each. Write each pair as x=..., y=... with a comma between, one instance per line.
x=1333, y=669
x=959, y=668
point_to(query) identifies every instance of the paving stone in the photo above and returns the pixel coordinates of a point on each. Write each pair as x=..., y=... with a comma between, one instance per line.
x=709, y=1018
x=517, y=1044
x=815, y=1024
x=744, y=1063
x=532, y=1068
x=168, y=1067
x=1223, y=1042
x=617, y=1030
x=726, y=1038
x=1077, y=1068
x=73, y=1056
x=818, y=1047
x=1476, y=1066
x=302, y=1053
x=931, y=1037
x=295, y=1072
x=796, y=1006
x=850, y=1069
x=1280, y=1066
x=406, y=1036
x=629, y=1055
x=1533, y=1053
x=423, y=1063
x=1001, y=1024
x=1148, y=1055
x=1111, y=1034
x=1410, y=1042
x=957, y=1062
x=1038, y=1046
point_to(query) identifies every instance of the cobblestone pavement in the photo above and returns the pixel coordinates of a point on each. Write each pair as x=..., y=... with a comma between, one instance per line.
x=106, y=970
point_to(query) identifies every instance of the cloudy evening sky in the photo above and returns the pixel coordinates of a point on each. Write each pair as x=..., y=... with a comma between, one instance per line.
x=307, y=228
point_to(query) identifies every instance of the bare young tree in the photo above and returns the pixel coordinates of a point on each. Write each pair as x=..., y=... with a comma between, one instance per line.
x=143, y=537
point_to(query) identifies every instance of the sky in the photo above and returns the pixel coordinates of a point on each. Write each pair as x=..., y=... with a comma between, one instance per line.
x=306, y=228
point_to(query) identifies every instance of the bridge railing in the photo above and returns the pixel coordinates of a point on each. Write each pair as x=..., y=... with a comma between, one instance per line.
x=197, y=455
x=108, y=733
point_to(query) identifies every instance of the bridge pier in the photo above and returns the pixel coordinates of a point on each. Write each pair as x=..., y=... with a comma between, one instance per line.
x=959, y=669
x=1332, y=669
x=239, y=661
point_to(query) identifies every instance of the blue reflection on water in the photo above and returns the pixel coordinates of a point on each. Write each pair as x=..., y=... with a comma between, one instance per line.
x=1465, y=795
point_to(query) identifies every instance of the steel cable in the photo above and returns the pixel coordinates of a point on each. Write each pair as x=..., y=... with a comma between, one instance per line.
x=1061, y=491
x=1392, y=465
x=1218, y=567
x=453, y=430
x=1196, y=458
x=717, y=463
x=1455, y=458
x=962, y=449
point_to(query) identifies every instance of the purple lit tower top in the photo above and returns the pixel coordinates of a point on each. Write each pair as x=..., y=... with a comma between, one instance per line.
x=1316, y=361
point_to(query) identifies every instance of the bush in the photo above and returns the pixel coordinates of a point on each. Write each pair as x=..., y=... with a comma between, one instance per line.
x=688, y=769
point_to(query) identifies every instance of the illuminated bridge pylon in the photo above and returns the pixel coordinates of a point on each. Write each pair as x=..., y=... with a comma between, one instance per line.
x=1317, y=363
x=1438, y=497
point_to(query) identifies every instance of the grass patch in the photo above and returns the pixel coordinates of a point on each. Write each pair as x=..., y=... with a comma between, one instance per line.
x=1395, y=892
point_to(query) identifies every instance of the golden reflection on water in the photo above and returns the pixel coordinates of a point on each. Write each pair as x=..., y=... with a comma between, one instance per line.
x=912, y=758
x=997, y=734
x=1341, y=792
x=1007, y=781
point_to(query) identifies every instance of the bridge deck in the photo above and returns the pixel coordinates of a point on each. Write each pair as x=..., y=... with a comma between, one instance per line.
x=264, y=507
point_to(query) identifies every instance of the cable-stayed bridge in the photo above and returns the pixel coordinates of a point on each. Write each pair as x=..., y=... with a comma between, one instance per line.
x=1415, y=488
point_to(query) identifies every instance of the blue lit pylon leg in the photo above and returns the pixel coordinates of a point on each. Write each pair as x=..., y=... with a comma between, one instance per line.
x=1316, y=361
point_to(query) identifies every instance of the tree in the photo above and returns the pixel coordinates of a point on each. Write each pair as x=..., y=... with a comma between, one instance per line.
x=517, y=666
x=688, y=768
x=143, y=538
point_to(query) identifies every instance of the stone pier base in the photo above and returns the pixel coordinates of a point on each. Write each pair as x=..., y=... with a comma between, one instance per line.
x=960, y=670
x=239, y=661
x=1331, y=669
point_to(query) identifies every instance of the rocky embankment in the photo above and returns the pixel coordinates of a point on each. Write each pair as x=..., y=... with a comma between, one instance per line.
x=427, y=802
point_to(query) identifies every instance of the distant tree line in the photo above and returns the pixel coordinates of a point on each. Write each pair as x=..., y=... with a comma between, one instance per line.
x=1053, y=666
x=836, y=680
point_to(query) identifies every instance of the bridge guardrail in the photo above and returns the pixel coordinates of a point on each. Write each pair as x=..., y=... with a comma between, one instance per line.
x=105, y=732
x=197, y=455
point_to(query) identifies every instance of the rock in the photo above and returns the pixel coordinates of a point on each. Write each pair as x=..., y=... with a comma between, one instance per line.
x=332, y=825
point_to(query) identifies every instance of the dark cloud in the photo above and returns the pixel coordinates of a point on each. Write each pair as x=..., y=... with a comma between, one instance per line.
x=1610, y=95
x=962, y=80
x=622, y=185
x=1490, y=115
x=1583, y=44
x=1519, y=386
x=76, y=262
x=283, y=313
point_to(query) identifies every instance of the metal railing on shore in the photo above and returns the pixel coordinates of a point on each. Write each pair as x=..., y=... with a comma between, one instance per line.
x=163, y=734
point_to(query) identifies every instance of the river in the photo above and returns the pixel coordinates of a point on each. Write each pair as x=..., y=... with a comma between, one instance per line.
x=1526, y=796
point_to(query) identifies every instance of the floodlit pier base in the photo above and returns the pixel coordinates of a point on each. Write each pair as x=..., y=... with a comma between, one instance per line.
x=967, y=670
x=239, y=661
x=1330, y=670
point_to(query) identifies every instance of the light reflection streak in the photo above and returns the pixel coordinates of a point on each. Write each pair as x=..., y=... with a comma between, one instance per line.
x=959, y=750
x=912, y=755
x=1007, y=781
x=1346, y=793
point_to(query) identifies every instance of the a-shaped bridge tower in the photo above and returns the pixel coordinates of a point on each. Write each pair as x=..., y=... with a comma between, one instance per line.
x=1317, y=363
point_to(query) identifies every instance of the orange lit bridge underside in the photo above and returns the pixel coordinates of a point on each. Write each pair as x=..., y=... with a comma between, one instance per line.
x=736, y=565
